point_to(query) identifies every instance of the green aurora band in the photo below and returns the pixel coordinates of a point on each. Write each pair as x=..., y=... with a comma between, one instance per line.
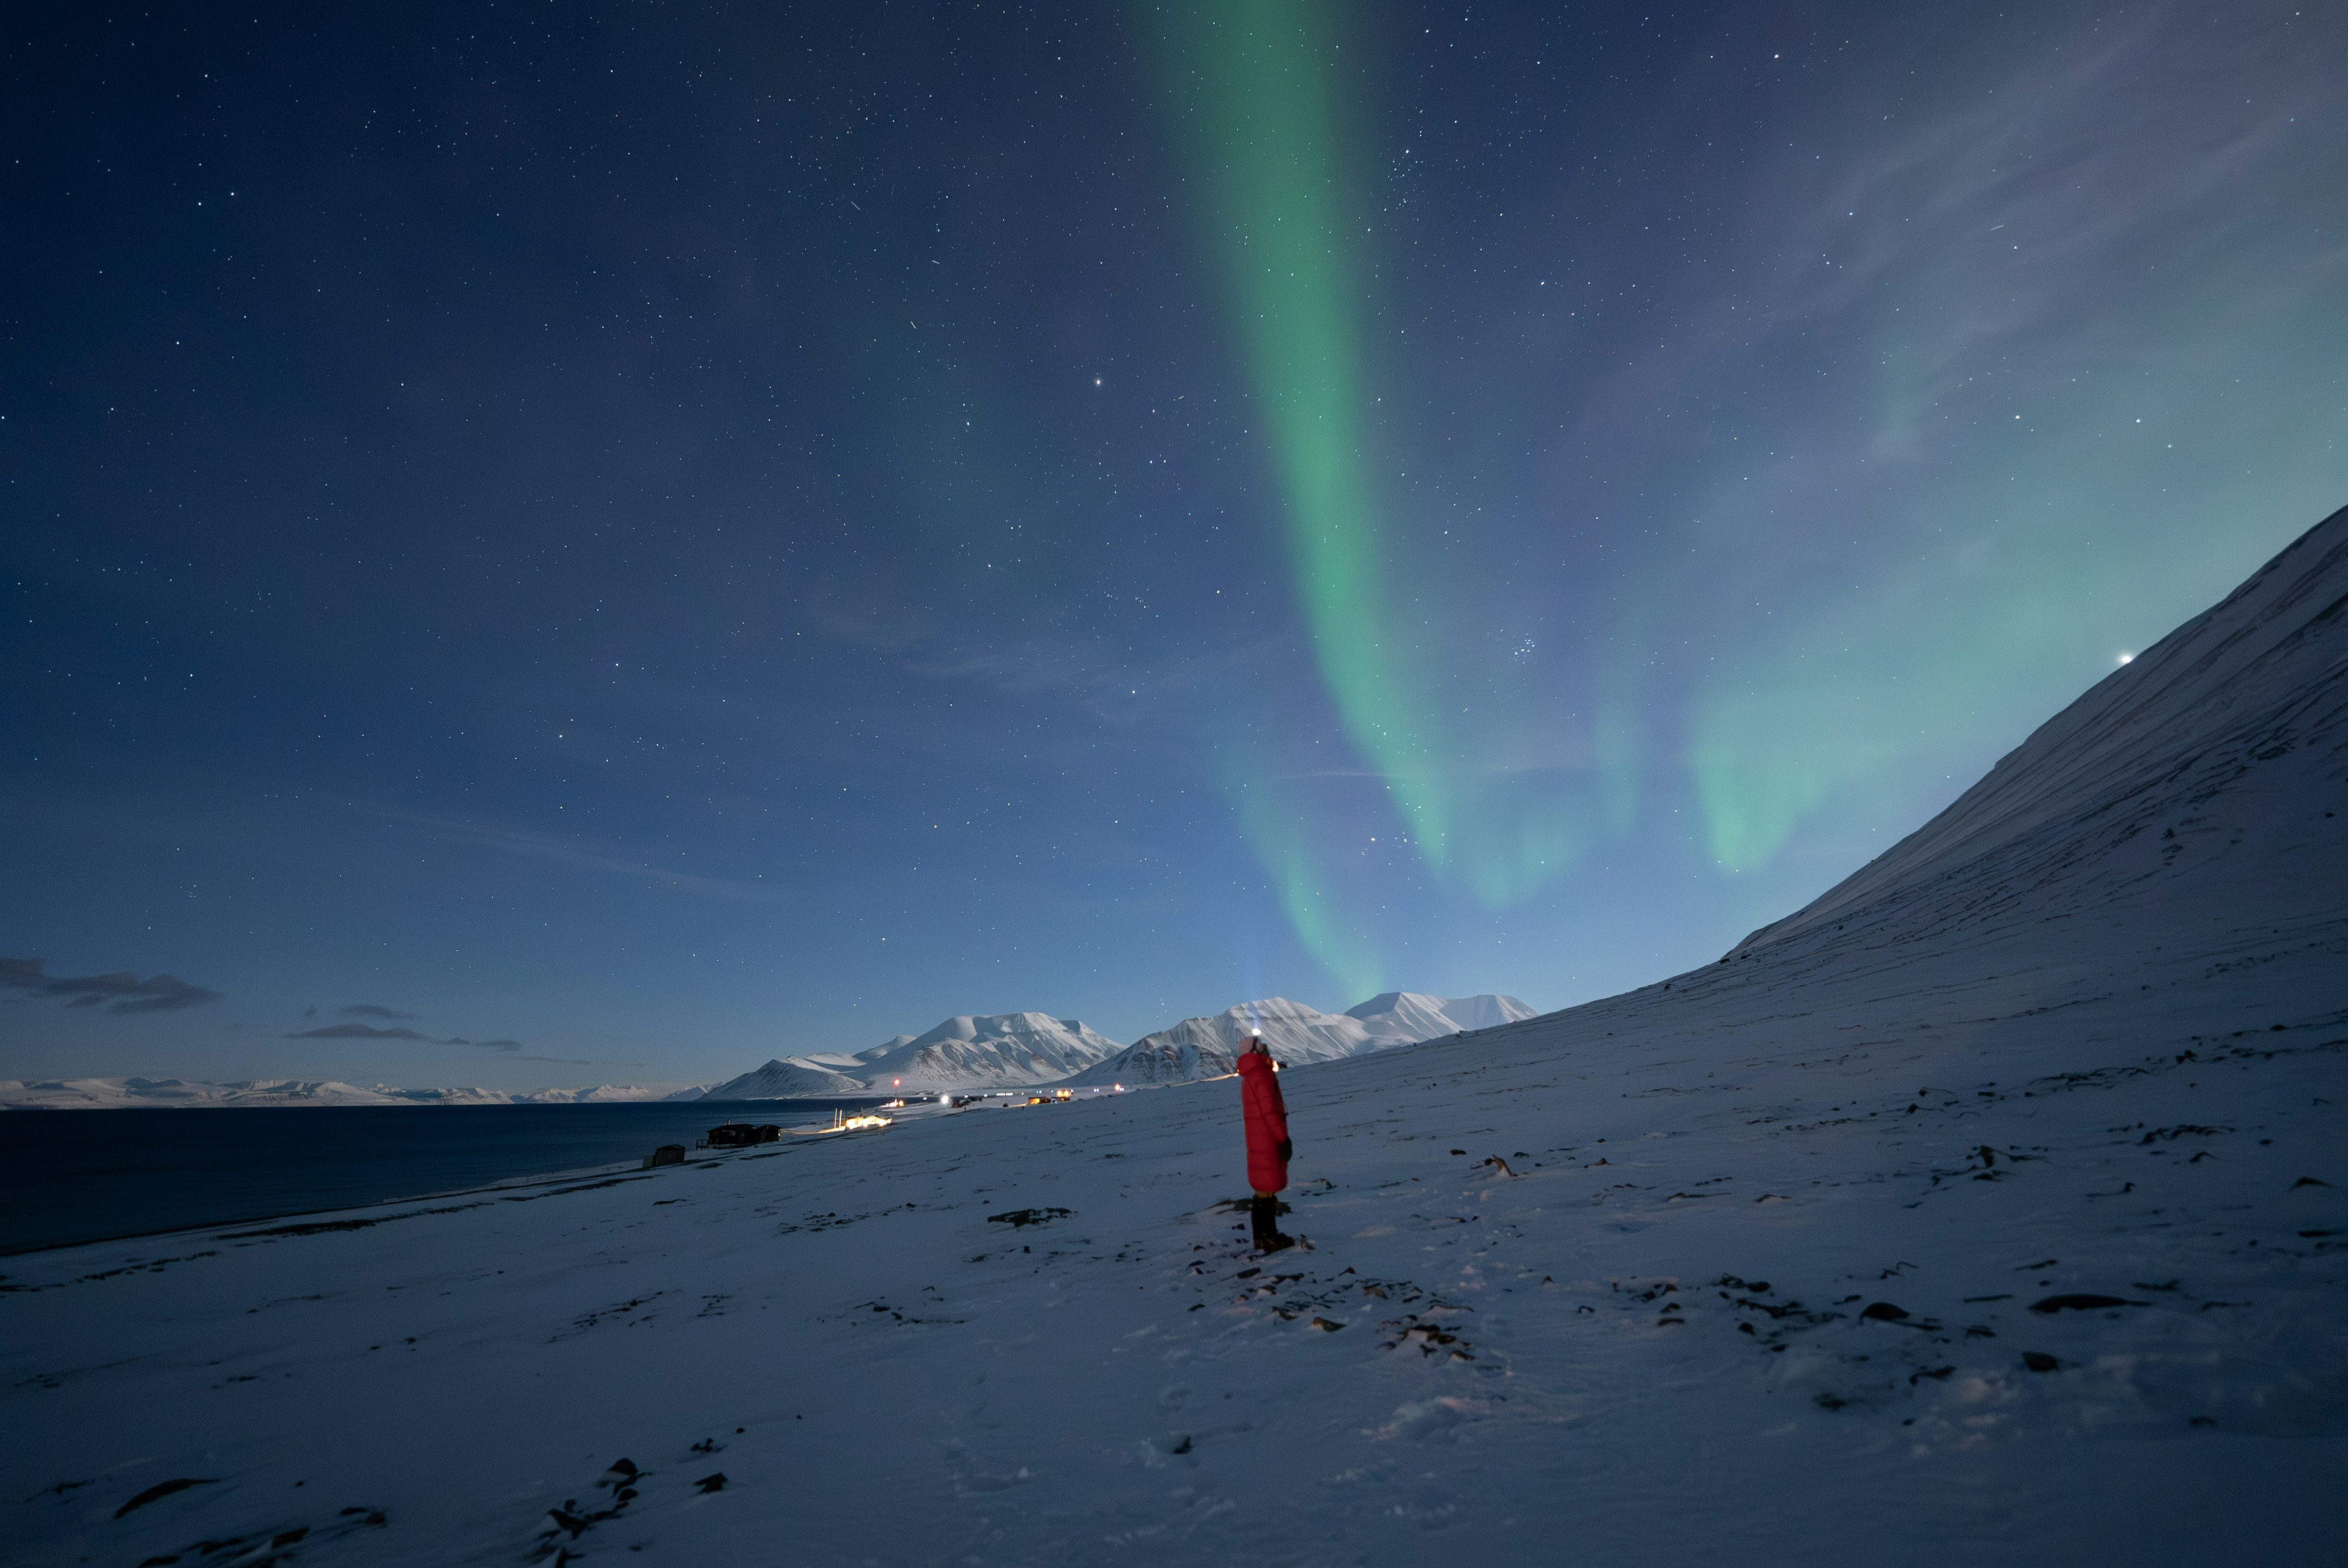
x=1260, y=115
x=1969, y=473
x=1263, y=121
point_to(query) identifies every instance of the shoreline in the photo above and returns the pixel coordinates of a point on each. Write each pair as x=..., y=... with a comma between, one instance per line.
x=617, y=1168
x=86, y=1181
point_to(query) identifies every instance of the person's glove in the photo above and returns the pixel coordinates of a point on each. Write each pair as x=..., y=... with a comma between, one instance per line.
x=1287, y=1151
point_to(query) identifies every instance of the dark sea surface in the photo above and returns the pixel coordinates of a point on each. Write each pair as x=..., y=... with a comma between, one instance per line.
x=69, y=1176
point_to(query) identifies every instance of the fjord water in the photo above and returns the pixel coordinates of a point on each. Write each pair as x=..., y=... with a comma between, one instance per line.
x=92, y=1175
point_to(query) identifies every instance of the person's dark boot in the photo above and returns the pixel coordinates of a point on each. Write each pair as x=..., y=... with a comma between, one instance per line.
x=1264, y=1216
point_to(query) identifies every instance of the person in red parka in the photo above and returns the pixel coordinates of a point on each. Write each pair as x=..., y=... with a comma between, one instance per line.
x=1268, y=1145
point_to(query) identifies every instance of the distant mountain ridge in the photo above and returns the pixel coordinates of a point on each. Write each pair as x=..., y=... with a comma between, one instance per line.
x=1007, y=1049
x=967, y=1052
x=1027, y=1050
x=786, y=1078
x=112, y=1093
x=1209, y=1047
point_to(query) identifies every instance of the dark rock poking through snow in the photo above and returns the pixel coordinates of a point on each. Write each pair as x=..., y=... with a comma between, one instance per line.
x=1942, y=1071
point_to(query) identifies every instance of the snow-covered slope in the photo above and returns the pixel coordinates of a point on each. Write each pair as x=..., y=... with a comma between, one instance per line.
x=1997, y=1215
x=2139, y=788
x=1206, y=1047
x=116, y=1094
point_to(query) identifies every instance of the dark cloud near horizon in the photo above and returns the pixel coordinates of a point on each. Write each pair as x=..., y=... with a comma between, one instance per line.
x=369, y=1031
x=361, y=1031
x=373, y=1010
x=122, y=992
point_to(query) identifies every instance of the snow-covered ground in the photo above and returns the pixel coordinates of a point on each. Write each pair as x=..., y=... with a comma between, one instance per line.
x=1995, y=1212
x=116, y=1093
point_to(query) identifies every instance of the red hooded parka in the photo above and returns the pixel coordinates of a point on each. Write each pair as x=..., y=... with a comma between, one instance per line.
x=1267, y=1122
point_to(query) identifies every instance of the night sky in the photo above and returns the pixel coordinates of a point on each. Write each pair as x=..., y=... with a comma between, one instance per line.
x=608, y=542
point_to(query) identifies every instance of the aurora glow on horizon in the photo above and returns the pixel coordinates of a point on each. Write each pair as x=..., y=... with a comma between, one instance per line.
x=864, y=519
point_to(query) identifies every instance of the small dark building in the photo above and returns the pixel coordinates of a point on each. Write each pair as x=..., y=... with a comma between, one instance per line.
x=741, y=1135
x=666, y=1154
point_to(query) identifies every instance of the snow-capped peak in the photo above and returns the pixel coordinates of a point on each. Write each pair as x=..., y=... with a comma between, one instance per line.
x=969, y=1050
x=1417, y=1016
x=1208, y=1047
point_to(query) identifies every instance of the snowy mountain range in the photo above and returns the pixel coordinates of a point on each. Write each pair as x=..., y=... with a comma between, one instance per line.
x=1208, y=1047
x=1025, y=1049
x=116, y=1093
x=964, y=1054
x=968, y=1051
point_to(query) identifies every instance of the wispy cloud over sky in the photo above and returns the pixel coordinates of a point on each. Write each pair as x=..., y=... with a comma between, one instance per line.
x=567, y=852
x=369, y=1032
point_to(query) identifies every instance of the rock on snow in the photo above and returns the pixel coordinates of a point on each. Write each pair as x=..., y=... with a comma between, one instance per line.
x=1994, y=1208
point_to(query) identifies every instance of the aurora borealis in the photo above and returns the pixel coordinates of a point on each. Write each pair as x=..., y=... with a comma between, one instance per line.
x=1256, y=89
x=657, y=542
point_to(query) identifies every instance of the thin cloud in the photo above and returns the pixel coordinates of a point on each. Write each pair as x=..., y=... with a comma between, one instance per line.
x=543, y=846
x=369, y=1031
x=371, y=1009
x=123, y=992
x=360, y=1031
